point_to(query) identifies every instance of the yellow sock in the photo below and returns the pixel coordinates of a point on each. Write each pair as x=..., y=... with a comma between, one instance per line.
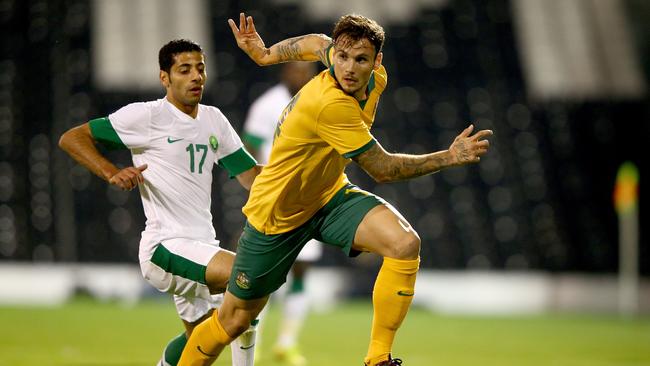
x=391, y=299
x=206, y=343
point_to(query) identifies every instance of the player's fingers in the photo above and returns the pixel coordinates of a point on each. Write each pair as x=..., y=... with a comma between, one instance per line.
x=123, y=181
x=127, y=186
x=129, y=172
x=119, y=181
x=140, y=176
x=131, y=179
x=135, y=176
x=466, y=132
x=135, y=181
x=126, y=174
x=242, y=22
x=233, y=27
x=482, y=134
x=138, y=173
x=251, y=25
x=483, y=144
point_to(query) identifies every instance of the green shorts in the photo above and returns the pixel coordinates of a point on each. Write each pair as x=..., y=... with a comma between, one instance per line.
x=263, y=261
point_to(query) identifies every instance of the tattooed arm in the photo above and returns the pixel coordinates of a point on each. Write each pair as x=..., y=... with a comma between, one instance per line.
x=386, y=167
x=311, y=47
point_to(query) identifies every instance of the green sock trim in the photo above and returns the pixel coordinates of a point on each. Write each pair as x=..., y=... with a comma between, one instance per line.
x=297, y=286
x=174, y=349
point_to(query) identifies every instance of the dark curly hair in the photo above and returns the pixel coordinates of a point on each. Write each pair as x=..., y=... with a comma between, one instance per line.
x=171, y=49
x=355, y=27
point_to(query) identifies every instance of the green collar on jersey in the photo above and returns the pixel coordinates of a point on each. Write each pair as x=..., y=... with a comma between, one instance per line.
x=371, y=86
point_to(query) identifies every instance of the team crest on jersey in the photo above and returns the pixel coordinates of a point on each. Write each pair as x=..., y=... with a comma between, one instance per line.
x=242, y=281
x=214, y=144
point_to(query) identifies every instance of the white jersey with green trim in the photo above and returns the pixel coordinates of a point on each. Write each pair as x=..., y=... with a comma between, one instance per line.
x=263, y=116
x=179, y=152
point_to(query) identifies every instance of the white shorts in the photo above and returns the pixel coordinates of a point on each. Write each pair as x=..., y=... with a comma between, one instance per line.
x=311, y=252
x=192, y=309
x=177, y=266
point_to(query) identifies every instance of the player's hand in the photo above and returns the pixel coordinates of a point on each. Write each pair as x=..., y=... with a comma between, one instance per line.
x=468, y=148
x=128, y=178
x=248, y=39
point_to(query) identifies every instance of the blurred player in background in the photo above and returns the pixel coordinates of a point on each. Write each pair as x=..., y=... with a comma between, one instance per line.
x=259, y=130
x=174, y=143
x=303, y=192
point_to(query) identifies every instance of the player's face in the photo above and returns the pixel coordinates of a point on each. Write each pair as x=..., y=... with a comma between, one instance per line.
x=186, y=79
x=353, y=65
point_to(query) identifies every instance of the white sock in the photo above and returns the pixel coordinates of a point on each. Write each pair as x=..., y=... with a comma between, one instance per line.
x=258, y=337
x=295, y=308
x=243, y=347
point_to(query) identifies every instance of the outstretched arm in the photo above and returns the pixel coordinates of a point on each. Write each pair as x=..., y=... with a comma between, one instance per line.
x=386, y=167
x=79, y=143
x=310, y=47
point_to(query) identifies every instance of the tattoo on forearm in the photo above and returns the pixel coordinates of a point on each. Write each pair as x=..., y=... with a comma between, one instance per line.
x=391, y=168
x=290, y=50
x=406, y=168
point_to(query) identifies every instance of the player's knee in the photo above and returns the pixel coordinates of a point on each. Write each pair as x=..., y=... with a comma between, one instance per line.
x=407, y=247
x=217, y=273
x=234, y=323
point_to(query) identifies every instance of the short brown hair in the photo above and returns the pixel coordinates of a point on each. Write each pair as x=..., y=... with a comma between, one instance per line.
x=357, y=27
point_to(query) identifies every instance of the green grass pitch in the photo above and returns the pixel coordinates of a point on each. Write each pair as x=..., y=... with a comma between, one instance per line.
x=88, y=333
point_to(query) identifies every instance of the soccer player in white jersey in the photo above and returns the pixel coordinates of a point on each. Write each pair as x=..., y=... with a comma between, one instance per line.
x=174, y=143
x=259, y=130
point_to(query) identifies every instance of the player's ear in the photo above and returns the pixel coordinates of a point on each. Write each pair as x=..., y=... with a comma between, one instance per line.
x=378, y=59
x=164, y=78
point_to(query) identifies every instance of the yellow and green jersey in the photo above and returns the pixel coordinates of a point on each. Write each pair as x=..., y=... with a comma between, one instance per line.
x=317, y=134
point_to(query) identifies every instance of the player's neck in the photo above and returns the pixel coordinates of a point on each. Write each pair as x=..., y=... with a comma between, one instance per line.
x=361, y=94
x=190, y=110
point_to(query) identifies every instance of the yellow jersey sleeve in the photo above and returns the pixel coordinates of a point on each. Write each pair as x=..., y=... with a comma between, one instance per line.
x=340, y=125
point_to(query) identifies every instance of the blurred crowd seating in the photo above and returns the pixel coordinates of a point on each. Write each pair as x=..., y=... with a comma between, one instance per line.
x=541, y=199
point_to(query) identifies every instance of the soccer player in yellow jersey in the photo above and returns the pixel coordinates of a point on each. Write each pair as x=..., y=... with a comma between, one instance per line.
x=303, y=192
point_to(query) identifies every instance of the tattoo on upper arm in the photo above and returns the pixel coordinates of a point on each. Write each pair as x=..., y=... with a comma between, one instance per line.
x=290, y=50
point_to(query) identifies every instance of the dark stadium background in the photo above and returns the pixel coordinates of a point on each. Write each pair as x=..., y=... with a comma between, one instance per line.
x=541, y=199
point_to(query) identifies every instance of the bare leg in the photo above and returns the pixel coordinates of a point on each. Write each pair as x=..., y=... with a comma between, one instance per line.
x=218, y=271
